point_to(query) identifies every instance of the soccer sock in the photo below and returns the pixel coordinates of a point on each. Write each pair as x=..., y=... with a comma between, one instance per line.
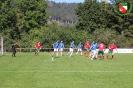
x=103, y=56
x=88, y=54
x=93, y=56
x=71, y=54
x=84, y=53
x=61, y=53
x=81, y=53
x=52, y=59
x=14, y=54
x=107, y=56
x=76, y=53
x=36, y=53
x=57, y=54
x=52, y=54
x=98, y=56
x=112, y=56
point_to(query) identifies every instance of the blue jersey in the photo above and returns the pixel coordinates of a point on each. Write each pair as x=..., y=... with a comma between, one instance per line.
x=72, y=45
x=79, y=46
x=56, y=45
x=61, y=45
x=92, y=43
x=94, y=46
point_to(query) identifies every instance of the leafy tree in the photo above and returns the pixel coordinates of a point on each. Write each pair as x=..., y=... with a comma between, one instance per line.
x=32, y=13
x=90, y=16
x=8, y=22
x=104, y=35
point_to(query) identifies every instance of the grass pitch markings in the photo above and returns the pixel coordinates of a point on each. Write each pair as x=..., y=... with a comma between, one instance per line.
x=66, y=71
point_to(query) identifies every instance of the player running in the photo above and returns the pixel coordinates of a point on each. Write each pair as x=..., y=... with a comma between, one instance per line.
x=79, y=48
x=93, y=48
x=38, y=47
x=111, y=48
x=61, y=47
x=87, y=48
x=55, y=46
x=71, y=48
x=101, y=50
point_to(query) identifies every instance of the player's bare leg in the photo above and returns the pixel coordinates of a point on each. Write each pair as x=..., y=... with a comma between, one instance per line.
x=70, y=54
x=107, y=57
x=112, y=57
x=102, y=56
x=98, y=57
x=81, y=52
x=85, y=53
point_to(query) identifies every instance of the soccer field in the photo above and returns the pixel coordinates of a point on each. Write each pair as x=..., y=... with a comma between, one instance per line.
x=29, y=71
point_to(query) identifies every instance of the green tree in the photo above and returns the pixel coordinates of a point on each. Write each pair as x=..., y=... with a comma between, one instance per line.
x=32, y=13
x=8, y=22
x=104, y=35
x=90, y=16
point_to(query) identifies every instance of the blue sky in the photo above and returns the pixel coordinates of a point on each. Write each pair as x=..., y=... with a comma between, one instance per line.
x=69, y=1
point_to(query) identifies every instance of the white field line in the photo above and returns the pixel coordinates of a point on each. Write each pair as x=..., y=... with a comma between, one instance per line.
x=66, y=71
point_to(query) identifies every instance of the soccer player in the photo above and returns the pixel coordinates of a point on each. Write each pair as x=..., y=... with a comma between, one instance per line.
x=71, y=48
x=13, y=48
x=79, y=48
x=111, y=48
x=101, y=48
x=93, y=48
x=61, y=46
x=38, y=47
x=55, y=46
x=91, y=53
x=86, y=47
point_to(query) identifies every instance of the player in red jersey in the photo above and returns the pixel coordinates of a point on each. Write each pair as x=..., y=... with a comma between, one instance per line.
x=101, y=48
x=87, y=48
x=111, y=48
x=38, y=47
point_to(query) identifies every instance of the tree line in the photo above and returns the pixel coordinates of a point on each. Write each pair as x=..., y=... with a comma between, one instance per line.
x=26, y=22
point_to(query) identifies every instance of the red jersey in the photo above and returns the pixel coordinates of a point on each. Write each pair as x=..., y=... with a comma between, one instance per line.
x=87, y=45
x=101, y=46
x=111, y=47
x=38, y=45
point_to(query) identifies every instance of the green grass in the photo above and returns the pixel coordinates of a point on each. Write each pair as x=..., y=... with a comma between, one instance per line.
x=29, y=71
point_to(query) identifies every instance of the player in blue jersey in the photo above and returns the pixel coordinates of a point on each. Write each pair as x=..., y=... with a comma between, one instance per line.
x=61, y=47
x=94, y=47
x=55, y=46
x=79, y=48
x=71, y=48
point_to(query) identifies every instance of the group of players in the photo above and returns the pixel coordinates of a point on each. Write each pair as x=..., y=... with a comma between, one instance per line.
x=92, y=50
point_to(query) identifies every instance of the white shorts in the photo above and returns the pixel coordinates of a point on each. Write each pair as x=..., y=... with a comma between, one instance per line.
x=79, y=49
x=93, y=52
x=97, y=50
x=56, y=49
x=61, y=49
x=71, y=49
